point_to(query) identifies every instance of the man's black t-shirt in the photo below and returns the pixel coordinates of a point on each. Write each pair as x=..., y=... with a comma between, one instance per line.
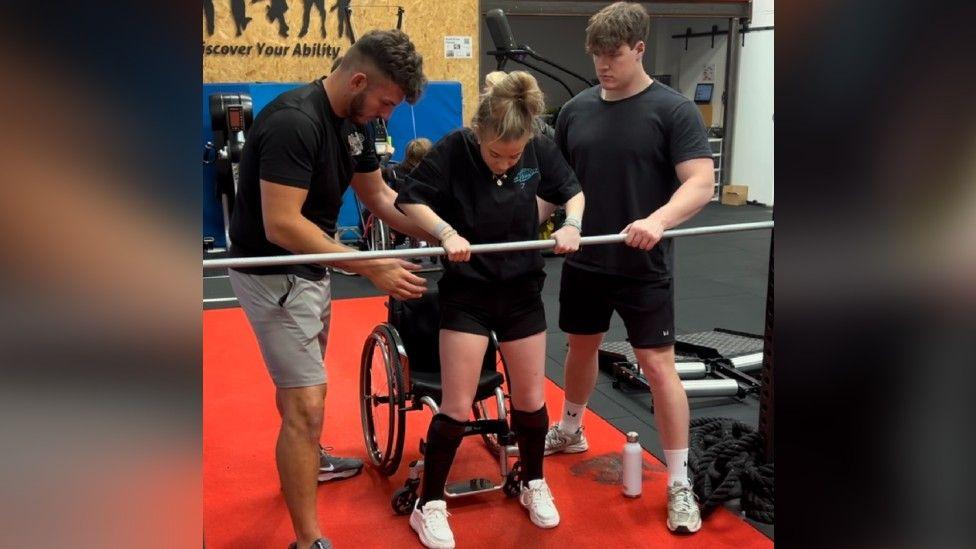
x=455, y=182
x=624, y=153
x=297, y=140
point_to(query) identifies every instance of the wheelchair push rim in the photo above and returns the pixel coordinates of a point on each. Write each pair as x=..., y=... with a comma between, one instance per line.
x=381, y=399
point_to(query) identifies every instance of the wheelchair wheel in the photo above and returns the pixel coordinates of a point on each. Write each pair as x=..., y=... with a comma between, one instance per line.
x=379, y=235
x=381, y=402
x=404, y=499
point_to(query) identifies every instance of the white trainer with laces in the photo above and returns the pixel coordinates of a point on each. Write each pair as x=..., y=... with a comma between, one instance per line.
x=537, y=498
x=559, y=441
x=430, y=523
x=683, y=514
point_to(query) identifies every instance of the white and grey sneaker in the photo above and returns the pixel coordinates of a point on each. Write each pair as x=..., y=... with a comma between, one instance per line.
x=537, y=498
x=334, y=467
x=430, y=523
x=683, y=514
x=558, y=440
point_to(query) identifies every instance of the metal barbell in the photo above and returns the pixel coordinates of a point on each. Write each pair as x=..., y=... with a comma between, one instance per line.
x=301, y=259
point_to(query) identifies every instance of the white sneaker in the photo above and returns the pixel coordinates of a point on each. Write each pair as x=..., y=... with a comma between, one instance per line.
x=537, y=498
x=558, y=441
x=683, y=514
x=431, y=525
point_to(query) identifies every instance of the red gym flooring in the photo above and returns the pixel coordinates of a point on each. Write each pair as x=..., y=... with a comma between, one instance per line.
x=243, y=507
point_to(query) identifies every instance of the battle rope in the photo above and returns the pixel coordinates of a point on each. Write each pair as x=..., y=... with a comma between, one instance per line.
x=726, y=460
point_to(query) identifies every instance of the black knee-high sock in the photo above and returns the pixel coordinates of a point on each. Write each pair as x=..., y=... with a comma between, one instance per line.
x=443, y=438
x=530, y=432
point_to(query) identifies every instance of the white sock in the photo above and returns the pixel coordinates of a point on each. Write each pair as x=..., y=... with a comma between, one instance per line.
x=572, y=418
x=677, y=461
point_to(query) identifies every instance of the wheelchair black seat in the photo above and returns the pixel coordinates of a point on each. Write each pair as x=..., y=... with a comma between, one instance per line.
x=418, y=323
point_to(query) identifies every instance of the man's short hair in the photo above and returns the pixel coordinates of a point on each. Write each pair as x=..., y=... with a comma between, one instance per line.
x=392, y=54
x=615, y=25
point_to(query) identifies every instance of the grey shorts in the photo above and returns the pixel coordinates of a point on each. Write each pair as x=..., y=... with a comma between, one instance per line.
x=290, y=318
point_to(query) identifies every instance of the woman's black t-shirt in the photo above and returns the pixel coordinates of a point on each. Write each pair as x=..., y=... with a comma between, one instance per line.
x=454, y=181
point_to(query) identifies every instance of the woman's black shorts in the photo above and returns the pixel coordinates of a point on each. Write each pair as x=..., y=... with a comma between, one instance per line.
x=512, y=309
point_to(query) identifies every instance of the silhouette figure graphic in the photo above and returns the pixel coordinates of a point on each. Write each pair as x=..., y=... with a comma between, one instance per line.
x=345, y=25
x=276, y=12
x=208, y=14
x=306, y=15
x=239, y=12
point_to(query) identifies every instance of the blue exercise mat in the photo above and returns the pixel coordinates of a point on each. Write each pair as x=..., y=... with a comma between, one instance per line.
x=437, y=113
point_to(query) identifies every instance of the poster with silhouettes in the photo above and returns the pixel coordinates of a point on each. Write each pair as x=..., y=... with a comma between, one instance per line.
x=298, y=40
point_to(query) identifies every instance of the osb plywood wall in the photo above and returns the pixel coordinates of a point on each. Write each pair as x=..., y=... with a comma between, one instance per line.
x=267, y=41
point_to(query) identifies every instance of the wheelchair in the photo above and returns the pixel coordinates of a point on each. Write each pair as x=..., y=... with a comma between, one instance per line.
x=400, y=373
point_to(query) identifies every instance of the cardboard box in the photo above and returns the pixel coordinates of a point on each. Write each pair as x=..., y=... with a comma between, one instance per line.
x=706, y=112
x=735, y=195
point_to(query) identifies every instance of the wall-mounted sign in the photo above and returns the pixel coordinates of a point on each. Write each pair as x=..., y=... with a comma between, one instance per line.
x=263, y=49
x=708, y=73
x=299, y=40
x=275, y=13
x=260, y=28
x=457, y=47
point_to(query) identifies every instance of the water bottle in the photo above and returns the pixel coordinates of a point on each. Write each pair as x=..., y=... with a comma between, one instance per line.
x=633, y=475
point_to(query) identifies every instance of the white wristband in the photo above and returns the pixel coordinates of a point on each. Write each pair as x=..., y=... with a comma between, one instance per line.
x=573, y=222
x=441, y=228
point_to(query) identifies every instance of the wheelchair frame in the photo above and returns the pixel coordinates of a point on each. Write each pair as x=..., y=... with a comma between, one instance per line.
x=384, y=430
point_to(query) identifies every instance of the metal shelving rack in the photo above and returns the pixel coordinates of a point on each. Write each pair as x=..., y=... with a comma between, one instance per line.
x=717, y=149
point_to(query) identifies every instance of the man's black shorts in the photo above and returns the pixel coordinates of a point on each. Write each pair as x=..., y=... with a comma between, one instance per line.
x=513, y=309
x=587, y=299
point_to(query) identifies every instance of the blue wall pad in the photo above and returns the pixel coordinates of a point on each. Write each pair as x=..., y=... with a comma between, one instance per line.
x=437, y=113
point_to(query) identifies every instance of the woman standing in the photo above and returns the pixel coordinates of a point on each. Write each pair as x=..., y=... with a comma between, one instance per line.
x=479, y=185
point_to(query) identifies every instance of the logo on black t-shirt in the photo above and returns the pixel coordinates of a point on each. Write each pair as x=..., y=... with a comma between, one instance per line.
x=524, y=176
x=356, y=140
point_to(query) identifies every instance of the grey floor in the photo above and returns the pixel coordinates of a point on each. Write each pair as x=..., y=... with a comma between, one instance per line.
x=720, y=282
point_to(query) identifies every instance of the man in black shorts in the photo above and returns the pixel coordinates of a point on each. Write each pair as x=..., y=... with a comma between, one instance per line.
x=641, y=153
x=305, y=148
